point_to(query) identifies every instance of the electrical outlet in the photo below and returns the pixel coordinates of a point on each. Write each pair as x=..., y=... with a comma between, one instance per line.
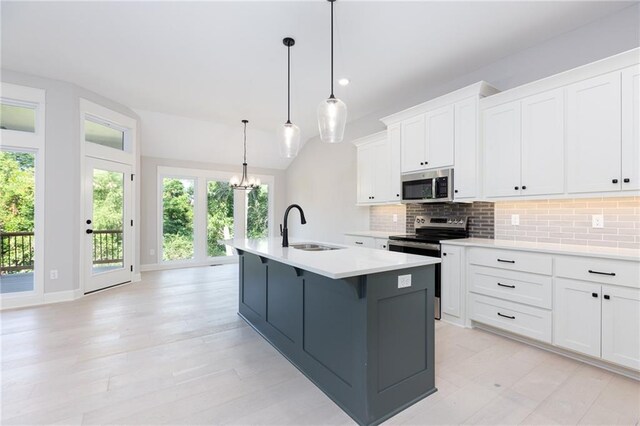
x=515, y=219
x=152, y=252
x=395, y=218
x=53, y=274
x=404, y=281
x=597, y=221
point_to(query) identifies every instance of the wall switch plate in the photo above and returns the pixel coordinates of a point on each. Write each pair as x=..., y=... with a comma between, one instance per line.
x=395, y=218
x=152, y=252
x=597, y=221
x=404, y=281
x=515, y=219
x=53, y=274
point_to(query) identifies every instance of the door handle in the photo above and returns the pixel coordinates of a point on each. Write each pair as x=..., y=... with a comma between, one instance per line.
x=89, y=231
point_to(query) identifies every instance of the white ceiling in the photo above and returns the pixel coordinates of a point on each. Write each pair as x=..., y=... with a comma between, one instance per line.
x=224, y=61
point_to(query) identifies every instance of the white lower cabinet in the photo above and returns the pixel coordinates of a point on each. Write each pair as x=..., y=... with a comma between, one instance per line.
x=581, y=303
x=381, y=243
x=577, y=316
x=621, y=325
x=451, y=281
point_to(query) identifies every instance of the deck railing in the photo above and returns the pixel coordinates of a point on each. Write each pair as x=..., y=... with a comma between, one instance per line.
x=18, y=250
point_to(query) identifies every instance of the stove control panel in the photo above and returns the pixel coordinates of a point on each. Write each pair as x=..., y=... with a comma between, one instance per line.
x=456, y=222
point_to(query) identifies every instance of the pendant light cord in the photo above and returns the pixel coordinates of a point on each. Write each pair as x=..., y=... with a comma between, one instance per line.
x=332, y=96
x=288, y=84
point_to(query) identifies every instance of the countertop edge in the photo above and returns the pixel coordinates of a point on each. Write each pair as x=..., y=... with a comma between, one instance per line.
x=567, y=250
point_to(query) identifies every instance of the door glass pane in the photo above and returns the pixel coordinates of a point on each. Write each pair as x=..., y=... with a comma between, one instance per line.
x=108, y=220
x=219, y=217
x=177, y=218
x=103, y=135
x=258, y=212
x=17, y=207
x=20, y=118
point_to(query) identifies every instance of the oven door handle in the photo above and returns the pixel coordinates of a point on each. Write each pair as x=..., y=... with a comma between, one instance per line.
x=427, y=246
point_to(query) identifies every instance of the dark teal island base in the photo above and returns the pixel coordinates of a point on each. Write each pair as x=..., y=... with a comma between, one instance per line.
x=366, y=343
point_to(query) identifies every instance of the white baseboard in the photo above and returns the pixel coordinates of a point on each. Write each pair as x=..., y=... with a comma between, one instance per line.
x=43, y=299
x=564, y=352
x=171, y=265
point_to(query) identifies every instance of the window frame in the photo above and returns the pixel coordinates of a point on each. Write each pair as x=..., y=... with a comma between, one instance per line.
x=19, y=141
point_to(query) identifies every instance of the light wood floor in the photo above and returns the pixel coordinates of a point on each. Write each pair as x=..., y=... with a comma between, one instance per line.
x=172, y=350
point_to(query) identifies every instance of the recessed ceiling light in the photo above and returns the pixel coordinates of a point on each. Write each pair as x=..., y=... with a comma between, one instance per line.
x=343, y=81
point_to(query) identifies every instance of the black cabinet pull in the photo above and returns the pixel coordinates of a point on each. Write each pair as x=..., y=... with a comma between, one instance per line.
x=594, y=294
x=444, y=254
x=422, y=164
x=89, y=231
x=516, y=188
x=524, y=187
x=455, y=190
x=614, y=180
x=397, y=195
x=626, y=180
x=359, y=242
x=426, y=162
x=611, y=274
x=606, y=296
x=506, y=285
x=506, y=261
x=506, y=316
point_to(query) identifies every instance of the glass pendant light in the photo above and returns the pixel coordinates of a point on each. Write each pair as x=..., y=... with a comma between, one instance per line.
x=246, y=183
x=289, y=133
x=332, y=113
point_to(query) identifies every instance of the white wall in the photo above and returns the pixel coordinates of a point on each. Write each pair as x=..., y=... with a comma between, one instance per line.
x=63, y=223
x=322, y=179
x=149, y=191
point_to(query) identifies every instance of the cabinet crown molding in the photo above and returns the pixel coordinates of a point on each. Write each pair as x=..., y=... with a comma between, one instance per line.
x=375, y=137
x=481, y=89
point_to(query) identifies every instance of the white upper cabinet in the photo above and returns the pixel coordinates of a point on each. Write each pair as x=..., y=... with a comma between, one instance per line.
x=543, y=143
x=465, y=178
x=440, y=137
x=413, y=144
x=594, y=134
x=394, y=133
x=631, y=128
x=524, y=146
x=374, y=175
x=502, y=150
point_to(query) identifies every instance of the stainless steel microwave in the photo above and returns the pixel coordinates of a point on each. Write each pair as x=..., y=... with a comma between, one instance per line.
x=435, y=186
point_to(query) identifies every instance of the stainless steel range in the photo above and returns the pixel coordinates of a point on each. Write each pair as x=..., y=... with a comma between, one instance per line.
x=430, y=231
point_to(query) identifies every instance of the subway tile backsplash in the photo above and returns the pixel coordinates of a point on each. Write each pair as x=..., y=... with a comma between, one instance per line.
x=569, y=221
x=480, y=216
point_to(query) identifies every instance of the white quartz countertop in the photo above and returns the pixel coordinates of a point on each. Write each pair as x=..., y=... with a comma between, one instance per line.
x=346, y=262
x=568, y=249
x=374, y=234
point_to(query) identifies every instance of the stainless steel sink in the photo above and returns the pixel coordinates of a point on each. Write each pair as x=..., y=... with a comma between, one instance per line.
x=313, y=247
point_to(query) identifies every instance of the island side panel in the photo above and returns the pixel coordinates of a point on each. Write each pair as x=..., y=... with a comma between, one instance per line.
x=400, y=340
x=318, y=323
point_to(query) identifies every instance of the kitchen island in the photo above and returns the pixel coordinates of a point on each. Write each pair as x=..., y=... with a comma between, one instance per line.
x=357, y=322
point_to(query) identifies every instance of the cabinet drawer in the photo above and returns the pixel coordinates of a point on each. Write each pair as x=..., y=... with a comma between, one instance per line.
x=528, y=321
x=353, y=240
x=522, y=287
x=381, y=243
x=511, y=259
x=605, y=271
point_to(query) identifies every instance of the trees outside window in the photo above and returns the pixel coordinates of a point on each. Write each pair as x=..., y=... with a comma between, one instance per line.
x=177, y=218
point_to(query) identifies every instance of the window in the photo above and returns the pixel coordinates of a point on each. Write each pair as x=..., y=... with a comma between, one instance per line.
x=18, y=118
x=178, y=202
x=258, y=212
x=104, y=134
x=108, y=220
x=17, y=221
x=219, y=217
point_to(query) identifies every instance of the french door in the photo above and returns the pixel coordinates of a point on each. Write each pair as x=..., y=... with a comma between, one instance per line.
x=108, y=224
